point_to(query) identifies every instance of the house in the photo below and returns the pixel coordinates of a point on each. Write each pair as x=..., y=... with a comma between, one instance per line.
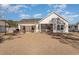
x=2, y=26
x=74, y=27
x=52, y=22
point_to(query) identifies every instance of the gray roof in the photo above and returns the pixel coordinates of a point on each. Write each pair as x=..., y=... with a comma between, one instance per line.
x=29, y=21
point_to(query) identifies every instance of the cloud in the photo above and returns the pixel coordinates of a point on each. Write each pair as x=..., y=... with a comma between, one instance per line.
x=57, y=7
x=60, y=8
x=38, y=15
x=17, y=8
x=33, y=5
x=70, y=17
x=48, y=11
x=4, y=6
x=24, y=16
x=11, y=8
x=74, y=15
x=50, y=5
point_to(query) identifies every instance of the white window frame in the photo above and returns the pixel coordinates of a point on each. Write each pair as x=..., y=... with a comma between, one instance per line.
x=60, y=27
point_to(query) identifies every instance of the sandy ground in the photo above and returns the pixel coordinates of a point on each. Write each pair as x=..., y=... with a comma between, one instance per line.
x=36, y=44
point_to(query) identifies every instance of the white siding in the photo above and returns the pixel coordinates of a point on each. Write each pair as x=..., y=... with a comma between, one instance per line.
x=48, y=19
x=78, y=26
x=52, y=19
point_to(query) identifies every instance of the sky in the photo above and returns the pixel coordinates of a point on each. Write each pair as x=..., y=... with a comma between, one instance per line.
x=26, y=11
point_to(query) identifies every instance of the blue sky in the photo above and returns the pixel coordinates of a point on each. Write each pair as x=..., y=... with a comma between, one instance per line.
x=24, y=11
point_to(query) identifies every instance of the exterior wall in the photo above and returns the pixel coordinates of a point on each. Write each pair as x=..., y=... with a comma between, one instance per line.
x=74, y=28
x=48, y=19
x=77, y=26
x=66, y=28
x=71, y=28
x=58, y=22
x=37, y=29
x=36, y=26
x=53, y=19
x=54, y=22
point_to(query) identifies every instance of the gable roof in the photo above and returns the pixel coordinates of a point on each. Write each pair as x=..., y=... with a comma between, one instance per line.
x=55, y=14
x=61, y=17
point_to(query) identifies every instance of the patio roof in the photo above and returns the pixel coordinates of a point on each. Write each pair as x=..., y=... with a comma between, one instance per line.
x=29, y=21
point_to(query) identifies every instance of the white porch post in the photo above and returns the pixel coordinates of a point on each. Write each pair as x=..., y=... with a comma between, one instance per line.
x=78, y=27
x=37, y=28
x=18, y=26
x=40, y=27
x=66, y=28
x=55, y=25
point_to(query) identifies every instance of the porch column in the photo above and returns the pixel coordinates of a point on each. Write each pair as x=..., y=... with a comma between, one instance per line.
x=37, y=28
x=78, y=27
x=40, y=27
x=18, y=26
x=55, y=25
x=66, y=28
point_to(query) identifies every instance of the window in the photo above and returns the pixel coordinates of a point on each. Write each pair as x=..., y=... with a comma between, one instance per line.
x=60, y=27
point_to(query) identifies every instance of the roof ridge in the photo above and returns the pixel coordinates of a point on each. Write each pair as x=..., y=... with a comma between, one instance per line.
x=60, y=16
x=46, y=16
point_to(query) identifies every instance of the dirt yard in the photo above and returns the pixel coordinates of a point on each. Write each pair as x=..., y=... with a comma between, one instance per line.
x=38, y=44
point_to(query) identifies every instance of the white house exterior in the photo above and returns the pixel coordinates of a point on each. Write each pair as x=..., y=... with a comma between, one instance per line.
x=53, y=22
x=74, y=27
